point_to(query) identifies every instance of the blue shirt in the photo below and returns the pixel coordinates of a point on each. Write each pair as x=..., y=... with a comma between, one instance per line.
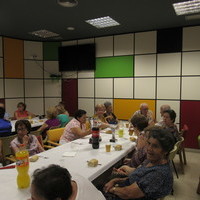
x=5, y=128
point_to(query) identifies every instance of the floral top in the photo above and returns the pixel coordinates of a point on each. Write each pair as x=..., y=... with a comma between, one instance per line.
x=68, y=135
x=155, y=182
x=32, y=147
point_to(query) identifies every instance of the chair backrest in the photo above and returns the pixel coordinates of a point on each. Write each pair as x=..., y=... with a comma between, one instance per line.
x=6, y=150
x=178, y=144
x=54, y=127
x=55, y=134
x=173, y=153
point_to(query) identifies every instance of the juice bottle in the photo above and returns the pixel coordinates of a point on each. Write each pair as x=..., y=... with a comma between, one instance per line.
x=22, y=165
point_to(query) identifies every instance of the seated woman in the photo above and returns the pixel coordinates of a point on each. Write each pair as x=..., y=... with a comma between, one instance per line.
x=61, y=104
x=139, y=123
x=109, y=115
x=153, y=179
x=99, y=115
x=23, y=128
x=22, y=113
x=75, y=128
x=61, y=115
x=169, y=117
x=55, y=183
x=52, y=121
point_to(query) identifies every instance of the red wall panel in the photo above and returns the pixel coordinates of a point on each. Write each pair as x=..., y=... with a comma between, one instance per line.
x=70, y=95
x=190, y=115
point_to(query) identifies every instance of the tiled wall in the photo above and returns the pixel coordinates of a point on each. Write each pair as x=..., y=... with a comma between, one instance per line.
x=25, y=68
x=157, y=67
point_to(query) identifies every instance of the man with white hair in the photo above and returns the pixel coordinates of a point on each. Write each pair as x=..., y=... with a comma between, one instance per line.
x=163, y=108
x=144, y=110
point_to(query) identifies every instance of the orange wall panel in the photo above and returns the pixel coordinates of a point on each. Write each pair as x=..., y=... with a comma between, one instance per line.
x=124, y=108
x=13, y=58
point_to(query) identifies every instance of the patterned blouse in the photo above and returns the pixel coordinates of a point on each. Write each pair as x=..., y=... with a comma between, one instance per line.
x=68, y=135
x=155, y=182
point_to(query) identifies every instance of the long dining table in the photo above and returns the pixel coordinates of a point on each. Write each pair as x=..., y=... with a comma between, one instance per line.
x=74, y=157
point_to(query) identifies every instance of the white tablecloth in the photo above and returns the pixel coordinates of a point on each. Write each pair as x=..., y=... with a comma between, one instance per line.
x=76, y=164
x=35, y=122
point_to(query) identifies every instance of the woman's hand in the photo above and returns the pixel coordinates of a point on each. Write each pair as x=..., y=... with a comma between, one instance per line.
x=125, y=169
x=109, y=185
x=25, y=139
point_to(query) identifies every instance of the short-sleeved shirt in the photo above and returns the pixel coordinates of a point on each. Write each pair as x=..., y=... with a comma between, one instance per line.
x=64, y=119
x=5, y=128
x=155, y=182
x=32, y=147
x=68, y=134
x=22, y=114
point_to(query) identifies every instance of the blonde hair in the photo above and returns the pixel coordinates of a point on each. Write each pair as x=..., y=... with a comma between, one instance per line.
x=60, y=109
x=51, y=113
x=99, y=106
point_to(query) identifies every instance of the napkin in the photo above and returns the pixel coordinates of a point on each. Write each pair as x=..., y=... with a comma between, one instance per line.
x=69, y=154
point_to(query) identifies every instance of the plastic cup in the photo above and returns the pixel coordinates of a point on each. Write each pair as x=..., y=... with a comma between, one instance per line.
x=127, y=125
x=131, y=131
x=108, y=147
x=121, y=133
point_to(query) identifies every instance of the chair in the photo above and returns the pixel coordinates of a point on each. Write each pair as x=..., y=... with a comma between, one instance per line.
x=53, y=136
x=5, y=147
x=172, y=154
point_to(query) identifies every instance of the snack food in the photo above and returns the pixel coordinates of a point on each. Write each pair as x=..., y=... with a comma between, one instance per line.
x=109, y=131
x=93, y=163
x=33, y=158
x=133, y=139
x=118, y=147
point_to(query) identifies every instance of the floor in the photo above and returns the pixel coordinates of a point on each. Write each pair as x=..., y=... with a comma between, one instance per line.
x=186, y=185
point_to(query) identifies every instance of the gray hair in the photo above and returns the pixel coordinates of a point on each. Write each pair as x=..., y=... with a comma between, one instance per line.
x=107, y=104
x=165, y=107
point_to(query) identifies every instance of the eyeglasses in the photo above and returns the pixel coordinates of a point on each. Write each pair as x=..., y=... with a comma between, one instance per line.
x=21, y=129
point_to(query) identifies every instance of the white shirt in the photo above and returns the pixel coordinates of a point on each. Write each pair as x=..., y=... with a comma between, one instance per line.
x=86, y=190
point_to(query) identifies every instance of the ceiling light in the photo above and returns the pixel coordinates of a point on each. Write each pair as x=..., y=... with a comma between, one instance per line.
x=187, y=7
x=103, y=22
x=70, y=28
x=44, y=34
x=68, y=3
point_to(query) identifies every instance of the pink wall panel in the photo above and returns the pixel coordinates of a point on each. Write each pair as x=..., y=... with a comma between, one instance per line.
x=70, y=95
x=190, y=115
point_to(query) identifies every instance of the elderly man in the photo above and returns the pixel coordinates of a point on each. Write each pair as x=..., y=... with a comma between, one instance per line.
x=163, y=108
x=144, y=110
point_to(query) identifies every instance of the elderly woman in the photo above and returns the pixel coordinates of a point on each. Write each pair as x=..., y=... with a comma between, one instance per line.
x=55, y=183
x=21, y=112
x=99, y=115
x=62, y=116
x=23, y=128
x=169, y=117
x=109, y=115
x=153, y=179
x=76, y=128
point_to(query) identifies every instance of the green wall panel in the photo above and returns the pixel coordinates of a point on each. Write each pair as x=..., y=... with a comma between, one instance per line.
x=51, y=50
x=120, y=66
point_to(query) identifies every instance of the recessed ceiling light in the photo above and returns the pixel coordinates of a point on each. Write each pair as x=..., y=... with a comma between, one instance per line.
x=187, y=7
x=103, y=22
x=70, y=28
x=67, y=3
x=44, y=34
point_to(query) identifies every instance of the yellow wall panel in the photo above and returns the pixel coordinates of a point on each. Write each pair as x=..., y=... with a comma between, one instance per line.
x=124, y=108
x=13, y=58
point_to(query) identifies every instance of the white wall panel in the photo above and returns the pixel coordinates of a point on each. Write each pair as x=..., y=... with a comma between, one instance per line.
x=102, y=101
x=191, y=63
x=35, y=105
x=85, y=87
x=145, y=65
x=86, y=41
x=11, y=105
x=104, y=88
x=69, y=74
x=86, y=74
x=33, y=69
x=49, y=102
x=1, y=88
x=33, y=49
x=169, y=64
x=50, y=67
x=123, y=44
x=190, y=88
x=33, y=88
x=145, y=88
x=123, y=88
x=52, y=88
x=69, y=43
x=14, y=88
x=145, y=42
x=87, y=105
x=191, y=39
x=104, y=46
x=168, y=88
x=175, y=105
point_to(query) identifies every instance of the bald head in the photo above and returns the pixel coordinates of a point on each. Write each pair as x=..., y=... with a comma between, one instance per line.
x=144, y=109
x=163, y=108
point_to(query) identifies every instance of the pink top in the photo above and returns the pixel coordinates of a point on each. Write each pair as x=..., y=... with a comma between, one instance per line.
x=22, y=114
x=68, y=135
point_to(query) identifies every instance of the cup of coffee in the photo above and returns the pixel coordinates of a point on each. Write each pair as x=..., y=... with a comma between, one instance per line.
x=108, y=147
x=131, y=131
